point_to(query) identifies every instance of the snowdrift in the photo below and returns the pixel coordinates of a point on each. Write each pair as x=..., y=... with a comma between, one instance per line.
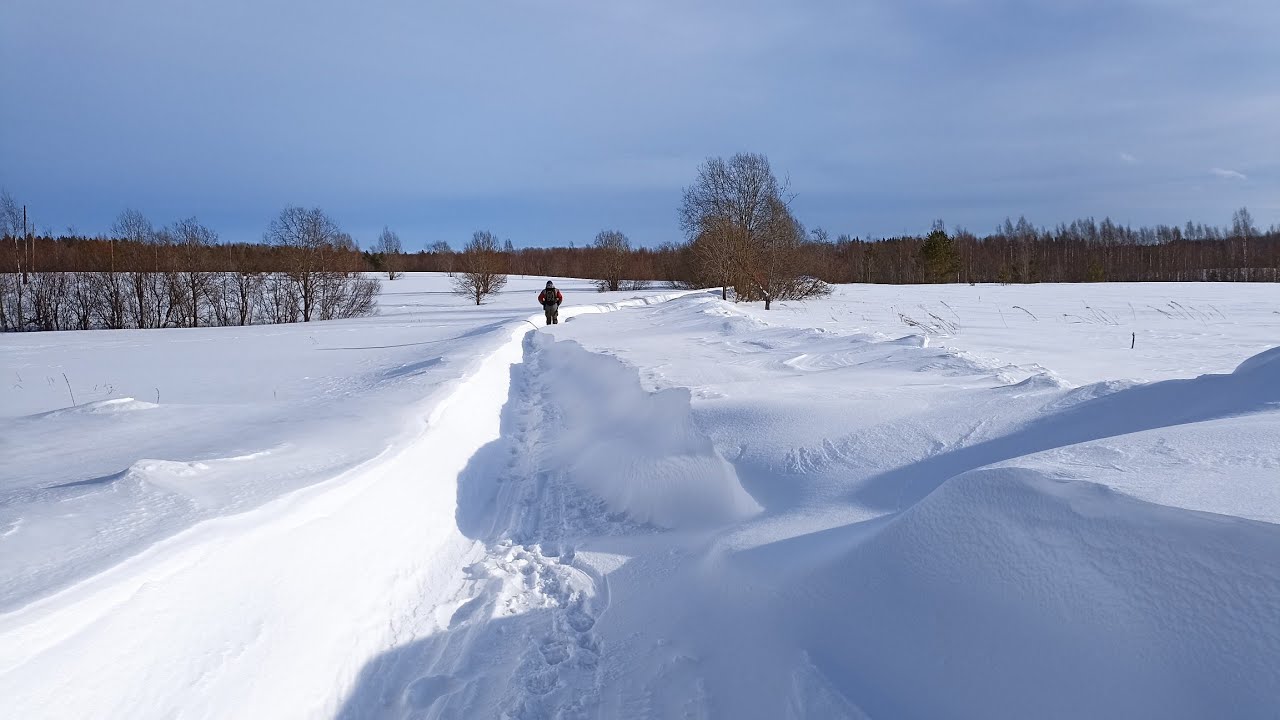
x=638, y=451
x=1013, y=592
x=1007, y=593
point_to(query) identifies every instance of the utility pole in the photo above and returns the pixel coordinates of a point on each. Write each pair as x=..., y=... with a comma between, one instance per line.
x=18, y=248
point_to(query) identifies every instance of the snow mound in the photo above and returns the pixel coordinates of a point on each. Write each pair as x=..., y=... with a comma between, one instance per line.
x=1036, y=382
x=1266, y=363
x=104, y=407
x=1084, y=394
x=637, y=451
x=1050, y=594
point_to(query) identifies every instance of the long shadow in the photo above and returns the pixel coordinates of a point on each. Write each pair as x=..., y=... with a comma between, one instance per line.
x=483, y=477
x=404, y=682
x=524, y=665
x=1253, y=387
x=413, y=368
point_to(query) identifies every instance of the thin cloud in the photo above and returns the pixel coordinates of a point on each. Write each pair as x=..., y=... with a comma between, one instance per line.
x=1229, y=174
x=1128, y=159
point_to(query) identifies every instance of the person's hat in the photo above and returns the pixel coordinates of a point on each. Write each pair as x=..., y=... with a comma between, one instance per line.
x=549, y=284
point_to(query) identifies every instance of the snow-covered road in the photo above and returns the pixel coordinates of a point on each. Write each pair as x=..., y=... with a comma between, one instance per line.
x=682, y=509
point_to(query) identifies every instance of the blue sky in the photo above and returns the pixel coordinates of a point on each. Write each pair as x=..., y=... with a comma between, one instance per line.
x=546, y=121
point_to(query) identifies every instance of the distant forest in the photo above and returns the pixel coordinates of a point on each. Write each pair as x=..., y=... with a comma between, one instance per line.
x=1017, y=252
x=306, y=268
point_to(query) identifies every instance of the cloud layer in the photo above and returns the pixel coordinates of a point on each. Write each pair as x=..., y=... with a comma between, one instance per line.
x=546, y=121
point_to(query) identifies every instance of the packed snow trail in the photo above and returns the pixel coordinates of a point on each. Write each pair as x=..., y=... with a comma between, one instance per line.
x=520, y=639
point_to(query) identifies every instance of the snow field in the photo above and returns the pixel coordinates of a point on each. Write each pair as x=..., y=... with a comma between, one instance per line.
x=948, y=535
x=270, y=612
x=692, y=508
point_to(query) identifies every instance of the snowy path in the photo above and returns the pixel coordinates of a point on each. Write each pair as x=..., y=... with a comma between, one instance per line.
x=520, y=632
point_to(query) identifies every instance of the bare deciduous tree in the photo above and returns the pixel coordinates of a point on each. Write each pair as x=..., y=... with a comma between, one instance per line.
x=243, y=286
x=481, y=268
x=11, y=227
x=321, y=257
x=774, y=261
x=132, y=227
x=1243, y=229
x=195, y=280
x=441, y=249
x=303, y=234
x=712, y=250
x=612, y=248
x=724, y=212
x=389, y=251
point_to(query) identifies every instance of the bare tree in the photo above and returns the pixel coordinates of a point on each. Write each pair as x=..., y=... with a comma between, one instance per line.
x=307, y=236
x=243, y=286
x=389, y=250
x=134, y=229
x=343, y=290
x=167, y=283
x=1242, y=229
x=774, y=261
x=6, y=302
x=612, y=249
x=280, y=299
x=481, y=268
x=448, y=259
x=713, y=254
x=11, y=226
x=724, y=212
x=49, y=299
x=195, y=279
x=86, y=300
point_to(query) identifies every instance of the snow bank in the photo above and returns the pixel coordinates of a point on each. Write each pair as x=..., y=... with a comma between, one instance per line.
x=638, y=451
x=300, y=590
x=1266, y=364
x=1008, y=593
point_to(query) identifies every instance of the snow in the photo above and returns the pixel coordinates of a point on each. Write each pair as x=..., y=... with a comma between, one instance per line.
x=942, y=501
x=637, y=451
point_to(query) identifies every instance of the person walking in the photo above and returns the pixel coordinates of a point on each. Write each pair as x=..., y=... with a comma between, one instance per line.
x=551, y=298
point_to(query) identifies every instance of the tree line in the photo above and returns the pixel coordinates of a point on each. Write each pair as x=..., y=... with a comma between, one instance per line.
x=179, y=275
x=740, y=234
